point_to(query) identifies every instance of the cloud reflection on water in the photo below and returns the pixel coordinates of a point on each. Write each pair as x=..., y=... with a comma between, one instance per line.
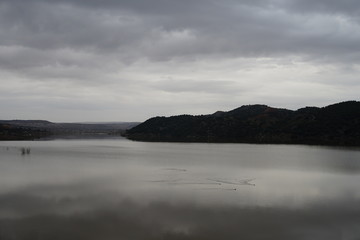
x=68, y=218
x=130, y=190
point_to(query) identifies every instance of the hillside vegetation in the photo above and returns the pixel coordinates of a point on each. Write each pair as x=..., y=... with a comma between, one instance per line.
x=337, y=124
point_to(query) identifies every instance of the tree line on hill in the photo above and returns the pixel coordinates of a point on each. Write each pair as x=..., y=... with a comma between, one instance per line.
x=337, y=124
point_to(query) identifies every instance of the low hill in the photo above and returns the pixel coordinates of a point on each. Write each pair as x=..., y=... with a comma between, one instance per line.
x=15, y=132
x=33, y=129
x=337, y=124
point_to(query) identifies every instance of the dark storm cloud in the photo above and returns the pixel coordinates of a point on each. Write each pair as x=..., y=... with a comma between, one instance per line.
x=162, y=30
x=346, y=7
x=49, y=26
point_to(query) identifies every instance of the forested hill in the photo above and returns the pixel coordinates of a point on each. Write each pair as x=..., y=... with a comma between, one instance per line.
x=337, y=124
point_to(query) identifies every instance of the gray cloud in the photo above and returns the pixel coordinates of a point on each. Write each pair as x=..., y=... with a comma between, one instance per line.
x=210, y=86
x=168, y=29
x=123, y=43
x=347, y=7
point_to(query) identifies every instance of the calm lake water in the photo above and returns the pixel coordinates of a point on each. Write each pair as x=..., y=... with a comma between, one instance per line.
x=119, y=189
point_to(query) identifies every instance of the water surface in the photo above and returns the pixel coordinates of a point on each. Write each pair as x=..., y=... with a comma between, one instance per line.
x=119, y=189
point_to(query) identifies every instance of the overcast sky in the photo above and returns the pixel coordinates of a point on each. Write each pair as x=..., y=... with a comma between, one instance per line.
x=128, y=60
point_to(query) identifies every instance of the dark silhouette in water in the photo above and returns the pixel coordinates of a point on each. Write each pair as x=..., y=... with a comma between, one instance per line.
x=25, y=151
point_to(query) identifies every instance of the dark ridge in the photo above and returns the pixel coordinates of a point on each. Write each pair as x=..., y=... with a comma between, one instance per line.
x=337, y=124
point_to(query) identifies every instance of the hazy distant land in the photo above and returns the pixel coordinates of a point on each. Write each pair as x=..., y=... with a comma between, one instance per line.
x=35, y=129
x=337, y=124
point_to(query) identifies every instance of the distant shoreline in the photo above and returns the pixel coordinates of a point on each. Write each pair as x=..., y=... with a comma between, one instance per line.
x=41, y=129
